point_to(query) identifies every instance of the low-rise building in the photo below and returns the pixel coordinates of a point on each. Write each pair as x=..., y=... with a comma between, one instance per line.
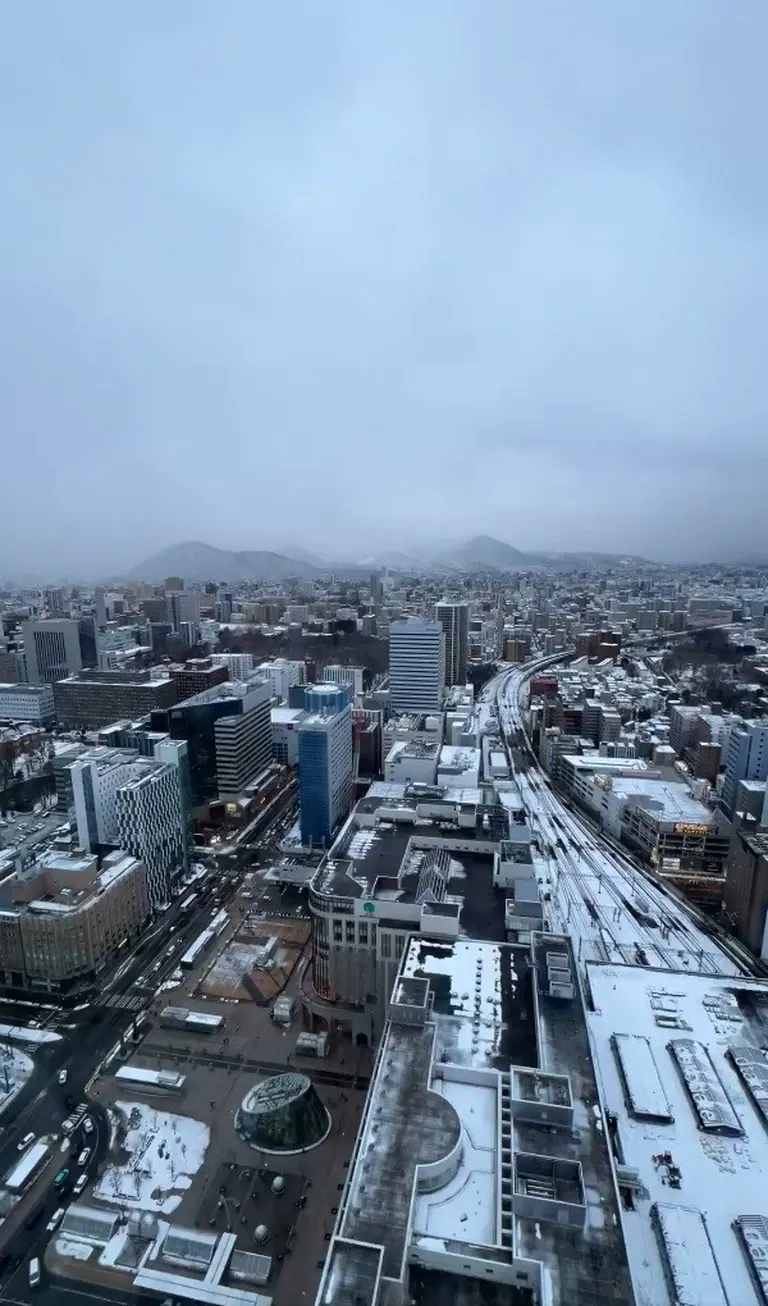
x=33, y=703
x=63, y=919
x=92, y=699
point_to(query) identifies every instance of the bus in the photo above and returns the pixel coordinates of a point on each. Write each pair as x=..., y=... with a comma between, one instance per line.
x=188, y=903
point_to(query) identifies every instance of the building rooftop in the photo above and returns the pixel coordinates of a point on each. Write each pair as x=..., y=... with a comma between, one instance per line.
x=674, y=801
x=480, y=1145
x=684, y=1081
x=375, y=855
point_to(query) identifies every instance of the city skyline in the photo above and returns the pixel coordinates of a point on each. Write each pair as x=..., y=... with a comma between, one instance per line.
x=431, y=272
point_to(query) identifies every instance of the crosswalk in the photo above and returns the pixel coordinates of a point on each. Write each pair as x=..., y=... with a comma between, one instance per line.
x=124, y=1002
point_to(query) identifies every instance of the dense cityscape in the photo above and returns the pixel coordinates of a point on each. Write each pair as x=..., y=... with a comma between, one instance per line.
x=385, y=935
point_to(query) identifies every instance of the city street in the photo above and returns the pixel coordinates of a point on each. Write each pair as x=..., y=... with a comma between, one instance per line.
x=88, y=1033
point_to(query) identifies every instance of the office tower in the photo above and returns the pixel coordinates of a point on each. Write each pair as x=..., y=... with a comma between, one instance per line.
x=338, y=675
x=52, y=649
x=123, y=800
x=33, y=703
x=376, y=586
x=184, y=608
x=151, y=825
x=454, y=619
x=416, y=665
x=54, y=599
x=326, y=760
x=746, y=759
x=223, y=757
x=196, y=675
x=189, y=633
x=244, y=743
x=92, y=699
x=239, y=665
x=99, y=608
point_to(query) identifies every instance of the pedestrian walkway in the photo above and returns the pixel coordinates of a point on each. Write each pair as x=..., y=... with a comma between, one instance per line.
x=124, y=1002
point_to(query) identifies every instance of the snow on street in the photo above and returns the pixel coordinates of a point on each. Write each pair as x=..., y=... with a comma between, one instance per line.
x=15, y=1069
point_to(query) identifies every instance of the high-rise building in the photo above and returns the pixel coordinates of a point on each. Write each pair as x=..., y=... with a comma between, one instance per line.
x=151, y=826
x=244, y=743
x=123, y=800
x=239, y=665
x=52, y=649
x=326, y=760
x=416, y=665
x=184, y=607
x=233, y=750
x=454, y=619
x=746, y=759
x=339, y=675
x=54, y=598
x=196, y=675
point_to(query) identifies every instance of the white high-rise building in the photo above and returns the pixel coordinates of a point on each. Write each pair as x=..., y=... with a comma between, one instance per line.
x=240, y=665
x=281, y=674
x=416, y=665
x=123, y=800
x=454, y=619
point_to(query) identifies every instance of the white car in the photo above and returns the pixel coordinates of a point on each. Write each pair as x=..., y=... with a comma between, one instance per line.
x=84, y=1157
x=88, y=1125
x=55, y=1219
x=62, y=1076
x=80, y=1185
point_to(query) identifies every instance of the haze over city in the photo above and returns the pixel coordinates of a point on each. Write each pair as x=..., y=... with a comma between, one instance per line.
x=364, y=277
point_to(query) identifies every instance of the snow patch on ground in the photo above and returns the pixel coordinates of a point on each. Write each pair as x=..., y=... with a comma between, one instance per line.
x=15, y=1069
x=165, y=1152
x=23, y=1034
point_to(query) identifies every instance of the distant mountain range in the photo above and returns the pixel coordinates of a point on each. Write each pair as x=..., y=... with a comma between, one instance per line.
x=195, y=561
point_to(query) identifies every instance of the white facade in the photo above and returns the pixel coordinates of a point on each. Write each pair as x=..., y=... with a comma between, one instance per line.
x=150, y=826
x=459, y=768
x=411, y=762
x=416, y=665
x=32, y=703
x=96, y=779
x=135, y=803
x=353, y=676
x=285, y=734
x=240, y=664
x=281, y=674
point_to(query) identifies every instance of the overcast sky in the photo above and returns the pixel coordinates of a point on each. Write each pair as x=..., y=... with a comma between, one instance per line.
x=369, y=275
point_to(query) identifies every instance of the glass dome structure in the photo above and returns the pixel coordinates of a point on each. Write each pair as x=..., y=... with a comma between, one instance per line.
x=283, y=1114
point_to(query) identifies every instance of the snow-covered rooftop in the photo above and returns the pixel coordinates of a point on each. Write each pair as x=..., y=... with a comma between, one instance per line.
x=689, y=1115
x=459, y=1137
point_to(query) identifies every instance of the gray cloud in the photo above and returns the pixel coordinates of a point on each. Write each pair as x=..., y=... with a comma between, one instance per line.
x=368, y=275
